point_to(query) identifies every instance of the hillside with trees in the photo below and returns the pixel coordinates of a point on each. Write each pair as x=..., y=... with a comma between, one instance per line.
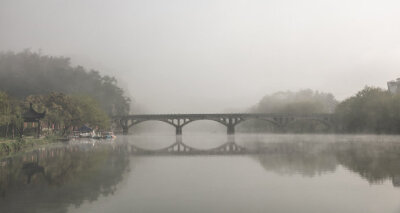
x=30, y=73
x=70, y=96
x=371, y=110
x=300, y=102
x=63, y=113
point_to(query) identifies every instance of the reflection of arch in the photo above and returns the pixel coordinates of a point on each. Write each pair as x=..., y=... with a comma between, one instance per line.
x=175, y=147
x=181, y=148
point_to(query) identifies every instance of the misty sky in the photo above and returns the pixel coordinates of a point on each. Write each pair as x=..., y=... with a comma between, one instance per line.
x=213, y=55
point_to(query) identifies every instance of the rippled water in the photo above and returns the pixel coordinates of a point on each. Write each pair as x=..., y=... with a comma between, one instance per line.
x=274, y=173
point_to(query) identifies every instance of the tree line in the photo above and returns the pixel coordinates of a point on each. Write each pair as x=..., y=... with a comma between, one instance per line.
x=71, y=96
x=371, y=110
x=304, y=101
x=31, y=73
x=63, y=113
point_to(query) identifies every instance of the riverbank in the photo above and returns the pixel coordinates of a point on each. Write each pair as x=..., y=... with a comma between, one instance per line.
x=12, y=146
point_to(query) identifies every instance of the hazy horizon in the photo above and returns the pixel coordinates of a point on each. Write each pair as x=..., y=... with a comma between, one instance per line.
x=213, y=56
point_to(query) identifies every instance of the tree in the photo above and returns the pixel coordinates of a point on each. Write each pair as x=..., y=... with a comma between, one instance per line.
x=29, y=73
x=70, y=111
x=90, y=112
x=370, y=110
x=4, y=109
x=10, y=116
x=301, y=102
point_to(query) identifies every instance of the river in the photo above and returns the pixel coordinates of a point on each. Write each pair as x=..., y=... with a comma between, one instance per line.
x=269, y=173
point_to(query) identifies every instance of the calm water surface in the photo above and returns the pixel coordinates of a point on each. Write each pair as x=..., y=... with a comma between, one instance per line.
x=277, y=173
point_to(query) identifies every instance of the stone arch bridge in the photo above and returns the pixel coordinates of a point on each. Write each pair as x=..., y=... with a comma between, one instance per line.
x=230, y=120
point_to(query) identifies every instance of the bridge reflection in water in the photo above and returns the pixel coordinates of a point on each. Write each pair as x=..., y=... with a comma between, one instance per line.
x=180, y=148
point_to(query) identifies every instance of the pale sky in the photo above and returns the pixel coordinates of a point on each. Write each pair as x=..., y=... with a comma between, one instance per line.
x=180, y=56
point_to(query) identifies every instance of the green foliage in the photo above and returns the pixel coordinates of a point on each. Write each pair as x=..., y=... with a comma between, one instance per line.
x=45, y=81
x=90, y=112
x=4, y=109
x=10, y=114
x=29, y=73
x=62, y=111
x=70, y=111
x=301, y=102
x=371, y=110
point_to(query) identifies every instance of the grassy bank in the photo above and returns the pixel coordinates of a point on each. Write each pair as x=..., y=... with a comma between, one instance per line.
x=11, y=146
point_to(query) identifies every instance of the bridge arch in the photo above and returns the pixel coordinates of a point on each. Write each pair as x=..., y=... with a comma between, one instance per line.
x=203, y=119
x=150, y=125
x=324, y=121
x=270, y=121
x=205, y=124
x=142, y=121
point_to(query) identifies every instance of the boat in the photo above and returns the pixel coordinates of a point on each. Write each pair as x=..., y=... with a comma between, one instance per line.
x=86, y=132
x=108, y=135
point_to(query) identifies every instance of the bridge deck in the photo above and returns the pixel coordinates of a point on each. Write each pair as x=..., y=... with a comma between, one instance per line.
x=198, y=115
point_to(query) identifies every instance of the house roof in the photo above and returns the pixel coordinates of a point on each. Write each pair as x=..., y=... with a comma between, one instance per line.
x=32, y=116
x=85, y=128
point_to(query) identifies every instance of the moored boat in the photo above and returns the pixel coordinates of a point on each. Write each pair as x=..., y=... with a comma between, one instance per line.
x=108, y=135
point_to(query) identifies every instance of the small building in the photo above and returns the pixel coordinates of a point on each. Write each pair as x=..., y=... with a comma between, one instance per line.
x=31, y=116
x=86, y=132
x=394, y=86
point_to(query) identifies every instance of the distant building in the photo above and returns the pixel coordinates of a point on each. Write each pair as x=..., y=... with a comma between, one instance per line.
x=394, y=86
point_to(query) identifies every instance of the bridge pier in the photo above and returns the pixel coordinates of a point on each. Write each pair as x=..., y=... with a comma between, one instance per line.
x=125, y=130
x=231, y=129
x=178, y=130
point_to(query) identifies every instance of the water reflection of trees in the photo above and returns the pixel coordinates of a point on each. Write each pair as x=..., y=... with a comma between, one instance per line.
x=373, y=161
x=308, y=159
x=51, y=179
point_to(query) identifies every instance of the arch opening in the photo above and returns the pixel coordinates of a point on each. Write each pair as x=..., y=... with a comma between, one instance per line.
x=309, y=126
x=158, y=127
x=204, y=133
x=151, y=134
x=204, y=126
x=256, y=125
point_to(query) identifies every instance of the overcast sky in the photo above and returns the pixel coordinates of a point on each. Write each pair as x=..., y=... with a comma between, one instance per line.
x=212, y=55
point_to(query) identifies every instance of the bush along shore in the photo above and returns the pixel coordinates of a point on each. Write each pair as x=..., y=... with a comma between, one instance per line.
x=12, y=146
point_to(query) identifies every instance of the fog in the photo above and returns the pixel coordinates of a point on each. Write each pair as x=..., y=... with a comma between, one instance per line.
x=213, y=56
